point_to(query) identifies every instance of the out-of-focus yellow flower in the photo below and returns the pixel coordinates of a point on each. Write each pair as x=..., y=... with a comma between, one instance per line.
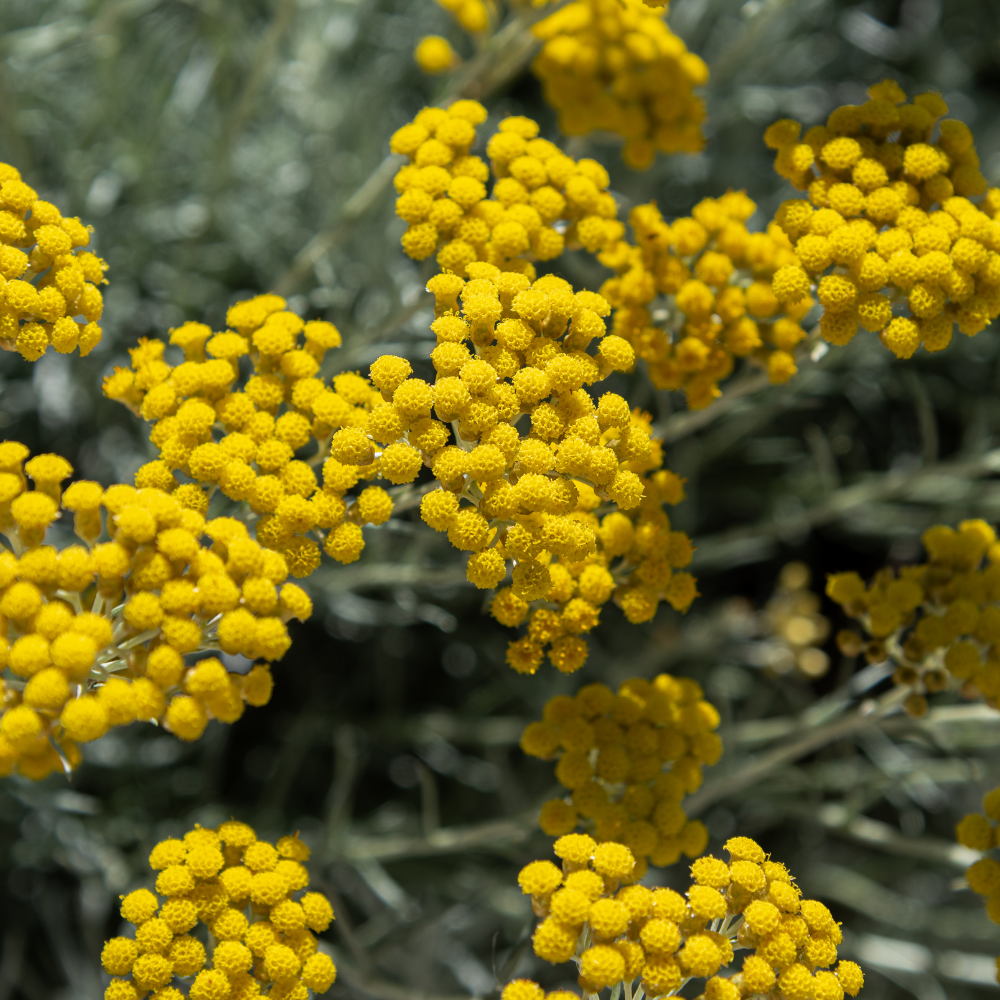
x=938, y=622
x=434, y=54
x=472, y=15
x=979, y=833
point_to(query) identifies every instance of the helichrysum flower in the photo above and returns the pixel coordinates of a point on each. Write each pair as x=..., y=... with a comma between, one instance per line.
x=525, y=989
x=792, y=626
x=615, y=65
x=242, y=438
x=96, y=634
x=938, y=622
x=50, y=285
x=542, y=199
x=434, y=54
x=889, y=222
x=712, y=278
x=616, y=931
x=251, y=897
x=535, y=499
x=508, y=345
x=627, y=761
x=531, y=500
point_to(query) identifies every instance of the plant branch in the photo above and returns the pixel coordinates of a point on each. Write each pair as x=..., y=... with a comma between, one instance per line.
x=752, y=543
x=750, y=774
x=494, y=834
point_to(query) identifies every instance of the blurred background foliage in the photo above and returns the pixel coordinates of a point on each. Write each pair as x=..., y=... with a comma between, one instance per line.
x=224, y=148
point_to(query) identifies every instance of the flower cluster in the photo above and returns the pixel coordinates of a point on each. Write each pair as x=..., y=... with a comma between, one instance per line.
x=443, y=196
x=532, y=499
x=637, y=562
x=938, y=622
x=614, y=65
x=707, y=278
x=242, y=890
x=95, y=635
x=628, y=760
x=794, y=626
x=888, y=238
x=48, y=286
x=618, y=932
x=243, y=440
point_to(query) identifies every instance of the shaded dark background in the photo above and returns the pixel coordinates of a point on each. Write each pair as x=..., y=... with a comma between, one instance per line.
x=219, y=149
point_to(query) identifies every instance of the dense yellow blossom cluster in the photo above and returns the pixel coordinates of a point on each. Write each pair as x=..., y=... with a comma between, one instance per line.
x=614, y=65
x=711, y=277
x=637, y=562
x=628, y=760
x=938, y=622
x=531, y=499
x=618, y=932
x=48, y=289
x=95, y=635
x=242, y=440
x=888, y=238
x=542, y=200
x=243, y=890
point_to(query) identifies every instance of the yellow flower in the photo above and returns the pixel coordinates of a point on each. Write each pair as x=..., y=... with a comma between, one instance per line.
x=705, y=263
x=89, y=668
x=442, y=194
